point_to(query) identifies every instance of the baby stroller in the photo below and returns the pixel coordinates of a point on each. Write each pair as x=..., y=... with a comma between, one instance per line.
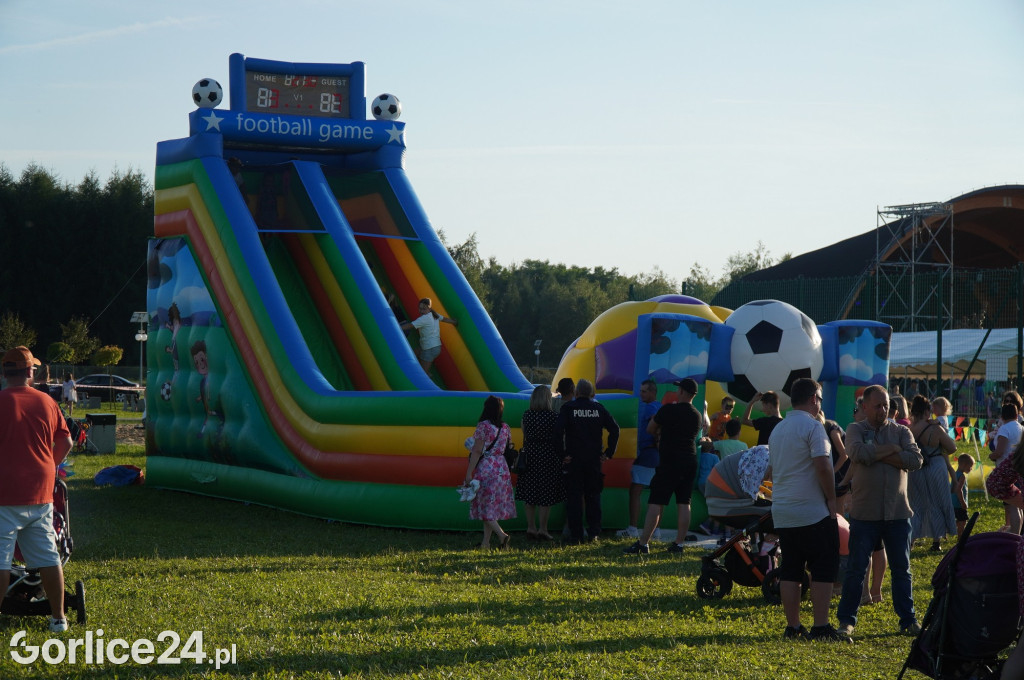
x=738, y=496
x=740, y=561
x=79, y=430
x=25, y=595
x=974, y=613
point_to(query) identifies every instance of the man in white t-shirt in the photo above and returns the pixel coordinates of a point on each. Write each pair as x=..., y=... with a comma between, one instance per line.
x=804, y=512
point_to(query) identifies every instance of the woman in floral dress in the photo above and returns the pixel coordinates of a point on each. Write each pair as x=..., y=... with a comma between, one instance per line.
x=493, y=501
x=541, y=484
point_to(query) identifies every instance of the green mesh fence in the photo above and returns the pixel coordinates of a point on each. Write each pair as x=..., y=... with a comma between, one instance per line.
x=926, y=301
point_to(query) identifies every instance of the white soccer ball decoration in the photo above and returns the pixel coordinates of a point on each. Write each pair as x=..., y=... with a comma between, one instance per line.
x=165, y=391
x=386, y=107
x=774, y=345
x=207, y=93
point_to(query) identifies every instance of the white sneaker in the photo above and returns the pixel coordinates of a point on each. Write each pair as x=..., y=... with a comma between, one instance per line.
x=657, y=535
x=846, y=630
x=628, y=532
x=58, y=625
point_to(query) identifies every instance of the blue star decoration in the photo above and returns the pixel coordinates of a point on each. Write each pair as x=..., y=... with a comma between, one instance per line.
x=213, y=121
x=394, y=134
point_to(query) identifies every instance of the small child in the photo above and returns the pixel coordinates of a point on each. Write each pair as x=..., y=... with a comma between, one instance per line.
x=941, y=408
x=732, y=443
x=720, y=419
x=707, y=459
x=958, y=489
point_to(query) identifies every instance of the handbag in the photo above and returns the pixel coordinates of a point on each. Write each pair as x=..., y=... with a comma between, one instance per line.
x=522, y=462
x=511, y=455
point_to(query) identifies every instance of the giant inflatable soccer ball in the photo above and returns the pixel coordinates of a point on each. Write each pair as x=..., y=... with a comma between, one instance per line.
x=774, y=345
x=386, y=107
x=207, y=93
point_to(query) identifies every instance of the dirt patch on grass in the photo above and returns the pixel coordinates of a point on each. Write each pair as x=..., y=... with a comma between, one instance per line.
x=131, y=434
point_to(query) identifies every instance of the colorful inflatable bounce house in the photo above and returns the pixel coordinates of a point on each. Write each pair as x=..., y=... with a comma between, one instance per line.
x=289, y=246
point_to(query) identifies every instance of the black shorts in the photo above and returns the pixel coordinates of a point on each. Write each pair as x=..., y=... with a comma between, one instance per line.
x=960, y=514
x=814, y=547
x=676, y=480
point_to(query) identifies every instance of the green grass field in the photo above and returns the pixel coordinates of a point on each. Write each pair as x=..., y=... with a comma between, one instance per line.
x=298, y=597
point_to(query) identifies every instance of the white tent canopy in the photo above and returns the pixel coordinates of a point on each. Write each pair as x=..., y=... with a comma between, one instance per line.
x=916, y=353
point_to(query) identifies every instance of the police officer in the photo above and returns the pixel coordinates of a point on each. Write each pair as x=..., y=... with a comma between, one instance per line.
x=580, y=433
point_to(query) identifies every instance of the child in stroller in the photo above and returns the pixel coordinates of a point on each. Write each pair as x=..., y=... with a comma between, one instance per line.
x=25, y=595
x=79, y=430
x=736, y=496
x=739, y=496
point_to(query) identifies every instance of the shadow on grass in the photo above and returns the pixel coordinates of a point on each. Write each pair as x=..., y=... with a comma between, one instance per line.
x=144, y=522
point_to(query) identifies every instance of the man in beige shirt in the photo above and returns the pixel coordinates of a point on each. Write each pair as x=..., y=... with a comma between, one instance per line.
x=881, y=453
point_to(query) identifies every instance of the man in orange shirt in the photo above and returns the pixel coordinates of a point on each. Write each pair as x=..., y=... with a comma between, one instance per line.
x=34, y=439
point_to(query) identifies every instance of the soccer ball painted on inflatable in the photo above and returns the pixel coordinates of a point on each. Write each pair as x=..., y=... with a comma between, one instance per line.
x=165, y=391
x=207, y=93
x=774, y=345
x=386, y=107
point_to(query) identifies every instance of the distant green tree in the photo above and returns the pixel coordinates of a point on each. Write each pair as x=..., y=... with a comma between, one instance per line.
x=740, y=264
x=106, y=356
x=14, y=332
x=75, y=334
x=60, y=353
x=470, y=263
x=700, y=284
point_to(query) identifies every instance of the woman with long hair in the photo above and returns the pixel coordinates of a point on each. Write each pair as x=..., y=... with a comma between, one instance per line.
x=928, y=488
x=541, y=484
x=493, y=500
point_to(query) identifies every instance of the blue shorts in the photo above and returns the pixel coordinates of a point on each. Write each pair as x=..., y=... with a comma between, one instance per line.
x=430, y=354
x=31, y=526
x=641, y=474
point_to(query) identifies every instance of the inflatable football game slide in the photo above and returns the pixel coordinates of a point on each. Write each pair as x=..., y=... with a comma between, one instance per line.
x=289, y=245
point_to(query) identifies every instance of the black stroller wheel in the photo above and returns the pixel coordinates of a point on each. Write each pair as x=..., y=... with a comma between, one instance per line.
x=80, y=601
x=714, y=583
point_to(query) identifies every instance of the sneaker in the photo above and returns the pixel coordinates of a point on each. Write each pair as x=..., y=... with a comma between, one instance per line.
x=638, y=548
x=58, y=625
x=827, y=633
x=674, y=548
x=846, y=630
x=912, y=629
x=791, y=633
x=628, y=532
x=656, y=536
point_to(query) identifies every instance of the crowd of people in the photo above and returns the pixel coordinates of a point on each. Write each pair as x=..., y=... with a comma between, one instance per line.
x=888, y=473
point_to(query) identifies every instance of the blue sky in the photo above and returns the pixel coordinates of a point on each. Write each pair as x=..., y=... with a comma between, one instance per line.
x=597, y=133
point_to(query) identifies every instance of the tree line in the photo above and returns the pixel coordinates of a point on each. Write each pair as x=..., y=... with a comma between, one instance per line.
x=72, y=263
x=73, y=270
x=537, y=300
